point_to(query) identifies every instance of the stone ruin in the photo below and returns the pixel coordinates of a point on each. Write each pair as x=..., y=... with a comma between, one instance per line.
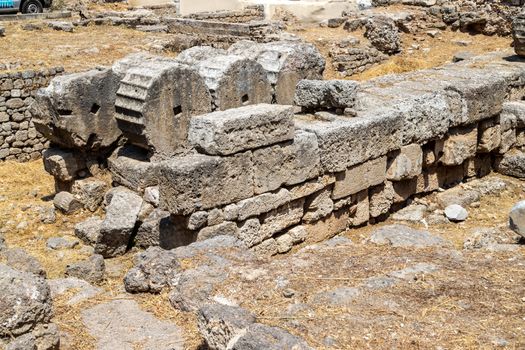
x=211, y=143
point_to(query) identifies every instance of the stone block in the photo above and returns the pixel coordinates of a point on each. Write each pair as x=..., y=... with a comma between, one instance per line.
x=361, y=209
x=155, y=102
x=241, y=129
x=268, y=247
x=90, y=192
x=325, y=94
x=512, y=164
x=406, y=163
x=403, y=190
x=479, y=166
x=347, y=142
x=62, y=164
x=285, y=63
x=360, y=177
x=118, y=225
x=281, y=218
x=226, y=228
x=311, y=186
x=328, y=227
x=249, y=232
x=66, y=202
x=318, y=206
x=198, y=182
x=450, y=175
x=130, y=167
x=427, y=181
x=381, y=199
x=262, y=203
x=459, y=145
x=489, y=136
x=428, y=116
x=156, y=230
x=286, y=164
x=516, y=111
x=234, y=81
x=77, y=110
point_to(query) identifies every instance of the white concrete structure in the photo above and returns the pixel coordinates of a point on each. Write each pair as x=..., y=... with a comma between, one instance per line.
x=304, y=10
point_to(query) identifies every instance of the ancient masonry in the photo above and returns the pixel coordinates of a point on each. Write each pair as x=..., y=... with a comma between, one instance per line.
x=216, y=147
x=19, y=139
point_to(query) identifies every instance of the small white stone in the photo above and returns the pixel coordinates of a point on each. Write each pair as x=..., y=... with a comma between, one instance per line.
x=456, y=213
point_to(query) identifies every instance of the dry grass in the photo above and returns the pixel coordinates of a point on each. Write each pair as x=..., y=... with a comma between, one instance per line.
x=440, y=50
x=83, y=49
x=24, y=186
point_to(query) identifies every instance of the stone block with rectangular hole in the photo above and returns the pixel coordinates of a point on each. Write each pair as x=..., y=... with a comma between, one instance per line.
x=155, y=102
x=77, y=110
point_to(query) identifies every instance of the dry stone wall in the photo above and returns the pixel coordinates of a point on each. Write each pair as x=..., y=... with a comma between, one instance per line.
x=19, y=139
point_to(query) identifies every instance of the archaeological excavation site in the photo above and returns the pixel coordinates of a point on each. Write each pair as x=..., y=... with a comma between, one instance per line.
x=262, y=175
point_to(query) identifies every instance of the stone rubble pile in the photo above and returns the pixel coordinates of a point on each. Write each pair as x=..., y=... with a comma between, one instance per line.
x=265, y=175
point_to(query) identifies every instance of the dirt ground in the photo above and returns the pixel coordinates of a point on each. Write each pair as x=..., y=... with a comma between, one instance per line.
x=474, y=299
x=92, y=46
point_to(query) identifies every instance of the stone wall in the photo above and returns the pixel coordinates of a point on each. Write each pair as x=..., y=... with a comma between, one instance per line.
x=275, y=175
x=250, y=13
x=18, y=138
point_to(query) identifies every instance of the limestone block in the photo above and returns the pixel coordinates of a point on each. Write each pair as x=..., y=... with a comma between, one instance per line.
x=66, y=202
x=241, y=129
x=156, y=230
x=427, y=181
x=77, y=110
x=508, y=140
x=267, y=248
x=482, y=94
x=403, y=190
x=512, y=164
x=234, y=81
x=117, y=227
x=62, y=164
x=489, y=136
x=381, y=199
x=215, y=217
x=406, y=163
x=285, y=63
x=429, y=116
x=281, y=218
x=311, y=186
x=360, y=177
x=518, y=34
x=262, y=203
x=155, y=102
x=318, y=206
x=459, y=145
x=347, y=142
x=197, y=220
x=429, y=157
x=90, y=192
x=130, y=167
x=226, y=228
x=479, y=166
x=515, y=110
x=328, y=226
x=325, y=94
x=289, y=163
x=249, y=232
x=198, y=182
x=361, y=210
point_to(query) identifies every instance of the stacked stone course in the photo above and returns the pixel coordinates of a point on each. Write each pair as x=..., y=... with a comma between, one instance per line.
x=273, y=176
x=19, y=139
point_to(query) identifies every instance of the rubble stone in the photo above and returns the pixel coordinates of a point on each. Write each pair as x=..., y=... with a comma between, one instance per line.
x=119, y=223
x=66, y=202
x=91, y=269
x=325, y=94
x=517, y=218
